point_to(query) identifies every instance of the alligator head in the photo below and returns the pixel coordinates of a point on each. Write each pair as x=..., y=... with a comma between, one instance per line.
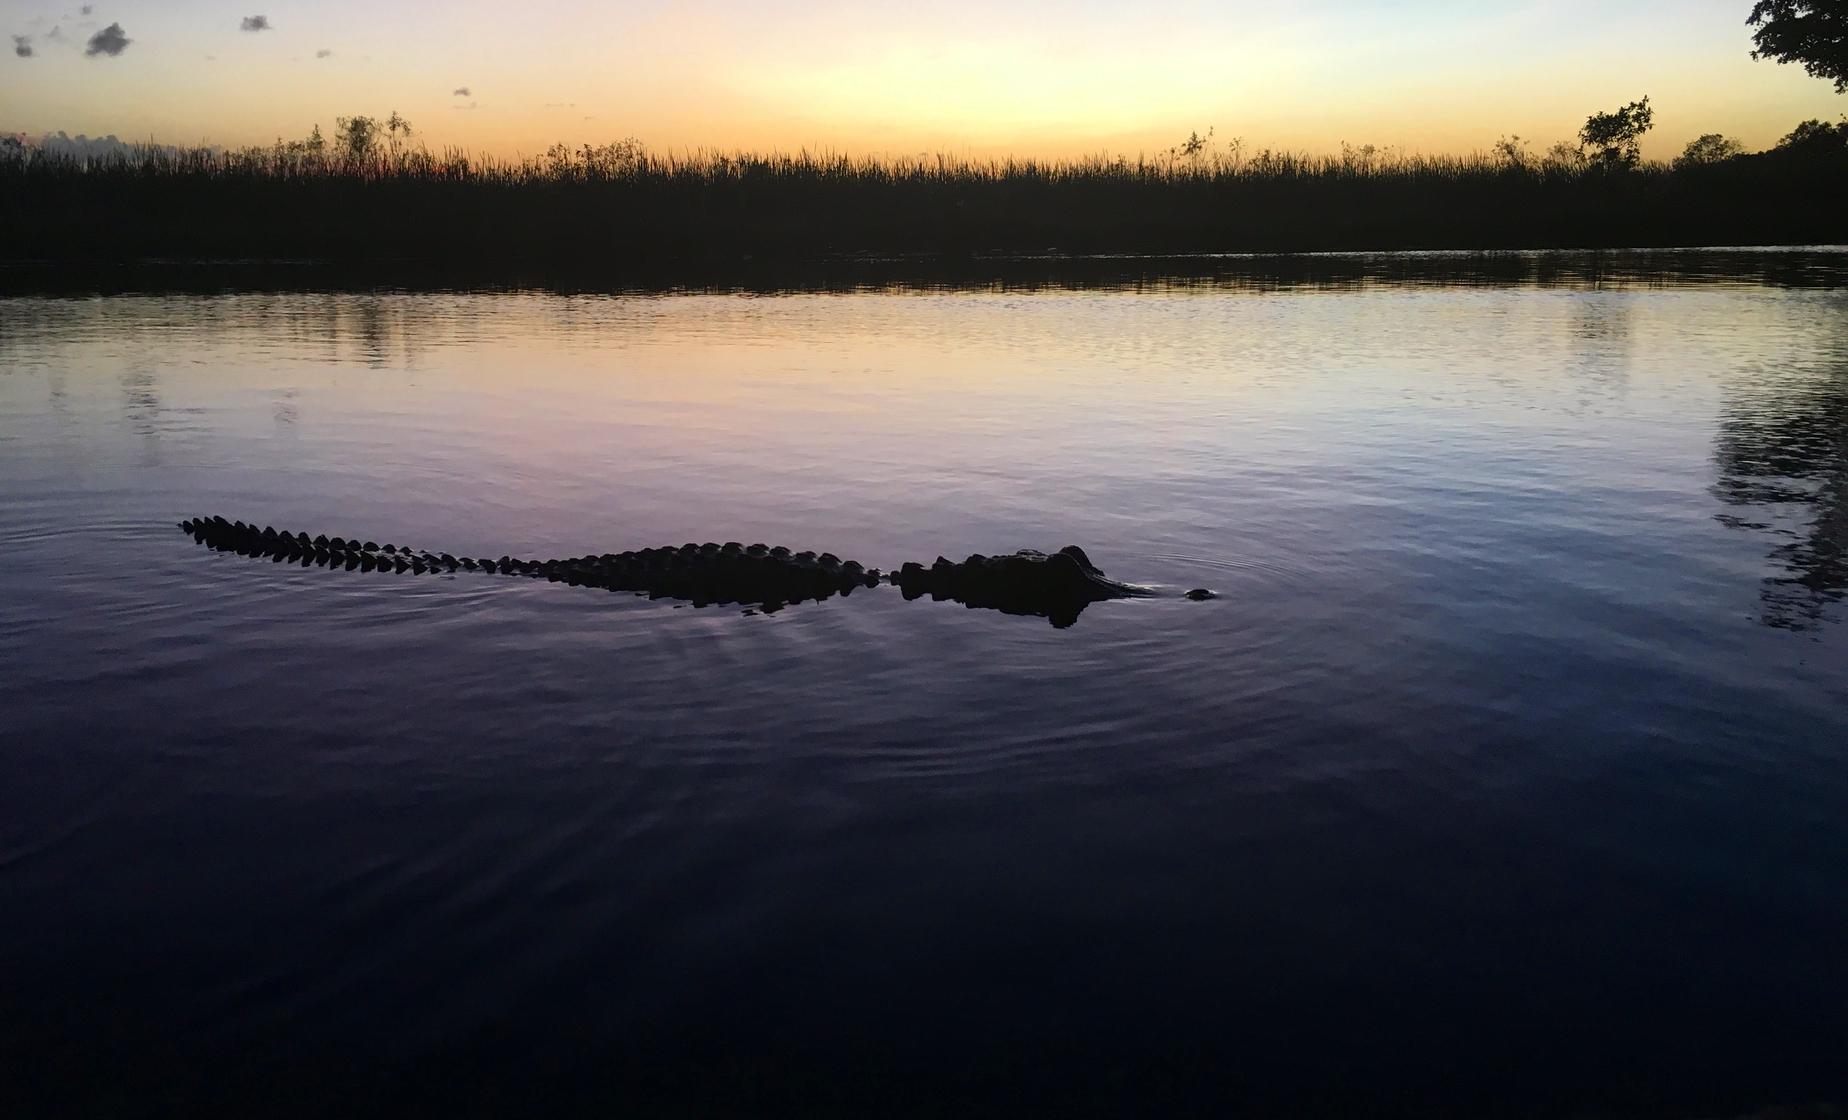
x=1057, y=586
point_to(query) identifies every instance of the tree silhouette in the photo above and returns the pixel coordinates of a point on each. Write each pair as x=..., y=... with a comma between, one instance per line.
x=358, y=139
x=1617, y=136
x=355, y=137
x=1812, y=33
x=1816, y=138
x=1709, y=149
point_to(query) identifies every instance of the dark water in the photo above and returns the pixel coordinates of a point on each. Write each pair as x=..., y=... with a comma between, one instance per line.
x=1508, y=775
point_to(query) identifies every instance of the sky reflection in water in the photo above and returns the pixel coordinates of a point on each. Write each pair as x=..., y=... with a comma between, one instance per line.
x=1513, y=743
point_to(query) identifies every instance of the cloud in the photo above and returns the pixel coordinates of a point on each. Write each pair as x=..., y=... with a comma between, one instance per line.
x=254, y=23
x=110, y=41
x=22, y=46
x=324, y=53
x=461, y=92
x=86, y=9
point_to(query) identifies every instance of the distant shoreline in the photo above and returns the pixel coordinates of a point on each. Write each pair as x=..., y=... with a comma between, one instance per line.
x=626, y=212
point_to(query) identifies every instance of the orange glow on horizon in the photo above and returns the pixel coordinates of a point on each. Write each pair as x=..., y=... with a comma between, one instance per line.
x=1031, y=79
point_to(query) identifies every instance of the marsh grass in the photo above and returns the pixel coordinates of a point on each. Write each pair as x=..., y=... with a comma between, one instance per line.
x=616, y=203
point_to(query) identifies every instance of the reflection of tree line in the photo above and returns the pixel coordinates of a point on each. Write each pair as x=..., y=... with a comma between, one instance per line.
x=341, y=285
x=1784, y=454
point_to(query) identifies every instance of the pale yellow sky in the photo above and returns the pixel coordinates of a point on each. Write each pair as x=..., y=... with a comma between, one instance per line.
x=1031, y=77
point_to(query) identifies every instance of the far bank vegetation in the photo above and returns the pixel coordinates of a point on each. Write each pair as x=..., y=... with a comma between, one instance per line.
x=370, y=188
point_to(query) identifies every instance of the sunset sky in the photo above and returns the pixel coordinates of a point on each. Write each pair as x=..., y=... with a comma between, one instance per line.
x=963, y=76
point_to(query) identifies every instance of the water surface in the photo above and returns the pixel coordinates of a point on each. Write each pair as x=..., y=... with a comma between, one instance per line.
x=1506, y=773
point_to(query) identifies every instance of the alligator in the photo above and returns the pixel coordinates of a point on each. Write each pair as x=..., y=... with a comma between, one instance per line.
x=1056, y=586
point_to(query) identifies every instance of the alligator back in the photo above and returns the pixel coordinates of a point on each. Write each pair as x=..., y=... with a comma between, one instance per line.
x=699, y=573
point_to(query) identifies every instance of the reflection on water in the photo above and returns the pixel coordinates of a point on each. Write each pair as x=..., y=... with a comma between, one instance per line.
x=1484, y=780
x=1814, y=267
x=1782, y=453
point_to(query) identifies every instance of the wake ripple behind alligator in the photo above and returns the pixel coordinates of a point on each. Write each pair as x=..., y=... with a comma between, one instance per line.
x=1057, y=586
